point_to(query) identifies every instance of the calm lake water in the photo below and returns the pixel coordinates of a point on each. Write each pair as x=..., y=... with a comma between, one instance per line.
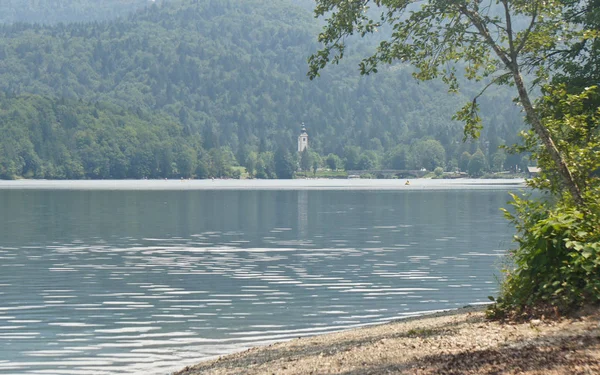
x=131, y=277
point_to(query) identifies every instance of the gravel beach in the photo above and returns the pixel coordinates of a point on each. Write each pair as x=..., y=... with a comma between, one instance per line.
x=454, y=342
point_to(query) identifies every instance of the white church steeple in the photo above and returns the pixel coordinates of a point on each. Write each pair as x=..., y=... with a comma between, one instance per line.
x=302, y=139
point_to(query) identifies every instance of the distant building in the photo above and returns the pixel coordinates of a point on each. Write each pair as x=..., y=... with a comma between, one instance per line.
x=302, y=139
x=533, y=171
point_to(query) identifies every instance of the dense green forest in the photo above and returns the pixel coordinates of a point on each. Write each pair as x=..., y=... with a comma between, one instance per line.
x=200, y=88
x=66, y=11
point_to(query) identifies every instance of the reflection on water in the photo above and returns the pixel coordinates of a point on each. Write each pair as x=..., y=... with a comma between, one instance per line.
x=106, y=282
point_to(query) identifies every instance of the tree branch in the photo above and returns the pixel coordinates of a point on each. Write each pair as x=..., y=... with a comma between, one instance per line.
x=484, y=32
x=492, y=82
x=509, y=32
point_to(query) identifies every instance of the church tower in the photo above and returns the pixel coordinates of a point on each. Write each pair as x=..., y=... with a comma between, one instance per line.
x=302, y=139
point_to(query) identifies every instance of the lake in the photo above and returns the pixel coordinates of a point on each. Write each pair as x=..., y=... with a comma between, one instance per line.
x=130, y=277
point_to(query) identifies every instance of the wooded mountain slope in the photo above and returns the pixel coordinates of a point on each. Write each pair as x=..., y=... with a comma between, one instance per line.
x=222, y=75
x=55, y=11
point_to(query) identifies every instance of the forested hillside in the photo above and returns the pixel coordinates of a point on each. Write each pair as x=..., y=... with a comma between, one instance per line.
x=193, y=88
x=55, y=11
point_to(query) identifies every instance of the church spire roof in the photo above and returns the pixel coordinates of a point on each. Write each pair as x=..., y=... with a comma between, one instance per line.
x=303, y=130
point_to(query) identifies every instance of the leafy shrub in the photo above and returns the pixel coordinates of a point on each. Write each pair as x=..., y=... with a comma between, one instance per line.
x=557, y=262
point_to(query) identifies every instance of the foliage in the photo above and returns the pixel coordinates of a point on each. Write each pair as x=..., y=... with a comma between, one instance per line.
x=580, y=68
x=333, y=162
x=224, y=73
x=44, y=138
x=322, y=174
x=574, y=118
x=367, y=160
x=55, y=11
x=428, y=154
x=434, y=36
x=351, y=156
x=557, y=262
x=305, y=160
x=265, y=166
x=397, y=158
x=498, y=160
x=315, y=166
x=284, y=165
x=476, y=165
x=463, y=164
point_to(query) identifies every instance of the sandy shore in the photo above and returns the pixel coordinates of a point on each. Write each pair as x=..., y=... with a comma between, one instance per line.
x=455, y=342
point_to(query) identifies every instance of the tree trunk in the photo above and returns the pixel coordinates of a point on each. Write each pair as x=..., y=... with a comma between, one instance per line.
x=546, y=139
x=510, y=61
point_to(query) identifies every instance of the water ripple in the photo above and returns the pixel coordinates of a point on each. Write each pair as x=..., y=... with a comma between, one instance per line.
x=155, y=302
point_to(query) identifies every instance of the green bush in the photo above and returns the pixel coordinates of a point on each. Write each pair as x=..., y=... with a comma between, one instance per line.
x=557, y=263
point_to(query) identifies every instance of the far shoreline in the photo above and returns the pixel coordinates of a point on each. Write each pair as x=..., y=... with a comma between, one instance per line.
x=292, y=184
